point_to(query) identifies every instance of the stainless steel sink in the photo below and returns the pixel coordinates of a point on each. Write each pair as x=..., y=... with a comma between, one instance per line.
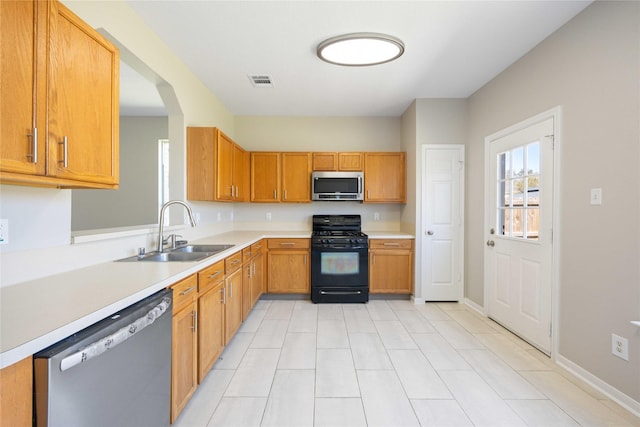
x=201, y=248
x=187, y=253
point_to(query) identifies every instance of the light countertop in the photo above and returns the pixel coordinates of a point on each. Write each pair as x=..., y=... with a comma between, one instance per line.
x=39, y=313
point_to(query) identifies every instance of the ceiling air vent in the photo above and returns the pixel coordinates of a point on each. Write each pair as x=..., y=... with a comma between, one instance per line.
x=261, y=80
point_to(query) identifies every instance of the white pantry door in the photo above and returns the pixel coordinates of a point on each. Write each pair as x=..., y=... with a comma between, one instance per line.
x=519, y=250
x=443, y=222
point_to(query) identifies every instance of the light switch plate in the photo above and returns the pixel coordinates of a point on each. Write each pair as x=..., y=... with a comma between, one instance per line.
x=596, y=196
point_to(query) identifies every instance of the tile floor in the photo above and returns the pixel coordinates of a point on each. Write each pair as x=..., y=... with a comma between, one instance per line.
x=388, y=363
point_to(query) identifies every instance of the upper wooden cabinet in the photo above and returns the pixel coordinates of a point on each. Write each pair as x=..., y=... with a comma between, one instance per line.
x=385, y=177
x=59, y=110
x=216, y=166
x=281, y=177
x=338, y=161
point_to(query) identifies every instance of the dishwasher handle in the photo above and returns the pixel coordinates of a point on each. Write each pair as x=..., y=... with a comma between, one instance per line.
x=121, y=335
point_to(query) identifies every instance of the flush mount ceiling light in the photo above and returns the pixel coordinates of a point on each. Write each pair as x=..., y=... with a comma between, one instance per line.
x=360, y=49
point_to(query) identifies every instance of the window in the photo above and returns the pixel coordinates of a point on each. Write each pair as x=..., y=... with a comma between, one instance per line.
x=519, y=192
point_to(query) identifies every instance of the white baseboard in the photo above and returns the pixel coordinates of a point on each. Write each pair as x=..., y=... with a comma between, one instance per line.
x=417, y=300
x=611, y=392
x=475, y=307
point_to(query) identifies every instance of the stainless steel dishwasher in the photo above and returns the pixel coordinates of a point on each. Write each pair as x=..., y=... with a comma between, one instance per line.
x=116, y=372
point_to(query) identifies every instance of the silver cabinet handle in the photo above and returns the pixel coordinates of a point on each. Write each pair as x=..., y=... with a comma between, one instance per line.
x=214, y=274
x=194, y=315
x=285, y=194
x=391, y=244
x=188, y=290
x=287, y=243
x=34, y=146
x=224, y=295
x=231, y=188
x=275, y=194
x=491, y=243
x=231, y=290
x=65, y=157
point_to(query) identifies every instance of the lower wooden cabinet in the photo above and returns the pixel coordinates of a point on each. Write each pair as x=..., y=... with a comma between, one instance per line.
x=257, y=272
x=210, y=317
x=184, y=346
x=233, y=296
x=288, y=266
x=391, y=266
x=16, y=393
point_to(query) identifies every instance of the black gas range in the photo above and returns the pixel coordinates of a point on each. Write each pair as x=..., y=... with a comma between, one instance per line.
x=339, y=259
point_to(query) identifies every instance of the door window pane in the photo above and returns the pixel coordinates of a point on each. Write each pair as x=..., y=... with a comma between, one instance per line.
x=518, y=180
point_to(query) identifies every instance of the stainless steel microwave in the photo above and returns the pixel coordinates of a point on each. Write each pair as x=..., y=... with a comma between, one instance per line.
x=337, y=186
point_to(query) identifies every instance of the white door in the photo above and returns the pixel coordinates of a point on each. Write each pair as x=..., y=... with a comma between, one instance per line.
x=518, y=250
x=442, y=222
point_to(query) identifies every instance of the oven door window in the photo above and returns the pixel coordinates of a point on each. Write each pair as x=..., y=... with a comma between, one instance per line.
x=339, y=263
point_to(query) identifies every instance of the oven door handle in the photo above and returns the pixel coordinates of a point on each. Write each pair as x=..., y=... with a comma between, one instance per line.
x=340, y=292
x=345, y=246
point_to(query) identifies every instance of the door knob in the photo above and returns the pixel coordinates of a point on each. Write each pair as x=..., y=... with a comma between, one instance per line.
x=491, y=243
x=430, y=232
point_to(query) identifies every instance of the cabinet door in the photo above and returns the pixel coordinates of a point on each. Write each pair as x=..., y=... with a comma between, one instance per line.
x=16, y=393
x=224, y=167
x=390, y=271
x=296, y=177
x=385, y=178
x=288, y=271
x=233, y=304
x=325, y=161
x=183, y=358
x=239, y=171
x=210, y=328
x=22, y=104
x=247, y=279
x=257, y=278
x=83, y=101
x=265, y=177
x=350, y=162
x=200, y=163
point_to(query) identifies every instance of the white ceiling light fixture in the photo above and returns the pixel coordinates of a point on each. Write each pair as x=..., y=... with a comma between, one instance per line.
x=360, y=49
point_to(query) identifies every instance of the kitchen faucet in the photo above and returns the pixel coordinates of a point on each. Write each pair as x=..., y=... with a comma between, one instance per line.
x=161, y=239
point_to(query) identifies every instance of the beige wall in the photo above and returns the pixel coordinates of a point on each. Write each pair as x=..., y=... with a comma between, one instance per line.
x=591, y=68
x=259, y=133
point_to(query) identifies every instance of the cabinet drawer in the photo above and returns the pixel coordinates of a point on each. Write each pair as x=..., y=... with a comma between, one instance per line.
x=257, y=248
x=210, y=276
x=247, y=253
x=184, y=292
x=391, y=244
x=233, y=262
x=288, y=243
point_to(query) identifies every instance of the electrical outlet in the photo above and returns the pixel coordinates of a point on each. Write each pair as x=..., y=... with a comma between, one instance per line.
x=4, y=231
x=219, y=216
x=376, y=216
x=620, y=346
x=268, y=216
x=596, y=196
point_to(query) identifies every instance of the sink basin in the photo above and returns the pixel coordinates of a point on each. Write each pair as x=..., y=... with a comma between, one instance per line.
x=187, y=253
x=169, y=257
x=212, y=249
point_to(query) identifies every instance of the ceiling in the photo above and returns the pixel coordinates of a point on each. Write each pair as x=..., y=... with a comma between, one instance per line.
x=453, y=48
